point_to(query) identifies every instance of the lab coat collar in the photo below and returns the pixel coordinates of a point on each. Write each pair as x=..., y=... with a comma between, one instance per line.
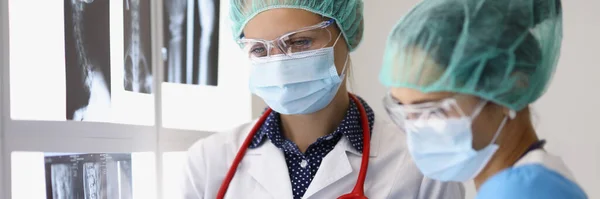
x=374, y=150
x=344, y=143
x=336, y=165
x=268, y=167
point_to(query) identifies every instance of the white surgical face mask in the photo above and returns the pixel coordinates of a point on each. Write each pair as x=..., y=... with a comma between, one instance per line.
x=442, y=147
x=300, y=83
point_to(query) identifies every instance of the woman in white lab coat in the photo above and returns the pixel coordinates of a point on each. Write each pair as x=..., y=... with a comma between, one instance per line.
x=462, y=75
x=310, y=142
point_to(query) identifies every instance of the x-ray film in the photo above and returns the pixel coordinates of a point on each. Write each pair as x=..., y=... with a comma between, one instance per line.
x=89, y=176
x=191, y=35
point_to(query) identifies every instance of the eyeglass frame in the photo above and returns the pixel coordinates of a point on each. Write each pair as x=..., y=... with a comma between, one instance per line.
x=400, y=111
x=274, y=43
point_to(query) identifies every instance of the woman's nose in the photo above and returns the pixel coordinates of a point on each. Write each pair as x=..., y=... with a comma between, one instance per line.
x=412, y=116
x=276, y=51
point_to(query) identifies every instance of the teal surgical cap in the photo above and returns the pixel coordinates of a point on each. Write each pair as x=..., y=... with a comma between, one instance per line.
x=504, y=51
x=348, y=14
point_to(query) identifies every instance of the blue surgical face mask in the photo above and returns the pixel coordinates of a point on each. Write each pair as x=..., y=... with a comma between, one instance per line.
x=442, y=148
x=299, y=83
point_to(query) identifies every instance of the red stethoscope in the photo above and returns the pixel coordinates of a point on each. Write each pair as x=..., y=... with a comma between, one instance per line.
x=358, y=191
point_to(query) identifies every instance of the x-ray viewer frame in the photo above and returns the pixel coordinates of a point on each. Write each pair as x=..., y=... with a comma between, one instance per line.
x=84, y=137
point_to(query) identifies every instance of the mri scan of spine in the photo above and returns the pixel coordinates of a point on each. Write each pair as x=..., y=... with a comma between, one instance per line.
x=137, y=72
x=93, y=78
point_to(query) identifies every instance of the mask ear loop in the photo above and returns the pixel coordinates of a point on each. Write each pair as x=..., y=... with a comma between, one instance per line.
x=478, y=109
x=476, y=113
x=343, y=73
x=336, y=39
x=511, y=115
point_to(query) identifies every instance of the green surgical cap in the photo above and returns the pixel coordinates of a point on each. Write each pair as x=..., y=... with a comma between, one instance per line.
x=504, y=51
x=348, y=14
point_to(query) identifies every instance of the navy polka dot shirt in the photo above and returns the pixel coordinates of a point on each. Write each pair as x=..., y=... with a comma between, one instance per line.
x=302, y=167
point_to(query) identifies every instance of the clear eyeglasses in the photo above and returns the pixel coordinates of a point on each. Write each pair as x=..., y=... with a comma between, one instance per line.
x=302, y=40
x=443, y=109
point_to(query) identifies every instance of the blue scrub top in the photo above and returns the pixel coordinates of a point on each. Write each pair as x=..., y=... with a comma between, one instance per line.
x=530, y=181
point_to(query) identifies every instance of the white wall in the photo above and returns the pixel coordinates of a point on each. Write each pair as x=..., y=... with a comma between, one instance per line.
x=568, y=113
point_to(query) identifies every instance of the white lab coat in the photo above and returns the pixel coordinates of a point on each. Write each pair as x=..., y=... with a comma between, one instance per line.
x=263, y=172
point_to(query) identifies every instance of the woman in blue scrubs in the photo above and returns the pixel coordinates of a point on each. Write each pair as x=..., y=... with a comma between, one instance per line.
x=462, y=75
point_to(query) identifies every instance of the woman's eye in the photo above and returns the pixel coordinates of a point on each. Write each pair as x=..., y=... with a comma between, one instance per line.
x=440, y=115
x=258, y=51
x=442, y=112
x=300, y=42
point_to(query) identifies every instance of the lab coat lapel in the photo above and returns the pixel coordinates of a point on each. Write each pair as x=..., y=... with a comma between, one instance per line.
x=334, y=166
x=269, y=169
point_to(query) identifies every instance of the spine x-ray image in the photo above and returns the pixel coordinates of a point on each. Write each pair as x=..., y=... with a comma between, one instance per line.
x=137, y=70
x=89, y=176
x=192, y=41
x=92, y=180
x=62, y=176
x=87, y=51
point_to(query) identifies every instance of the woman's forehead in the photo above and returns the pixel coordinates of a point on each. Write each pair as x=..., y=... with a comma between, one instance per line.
x=414, y=96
